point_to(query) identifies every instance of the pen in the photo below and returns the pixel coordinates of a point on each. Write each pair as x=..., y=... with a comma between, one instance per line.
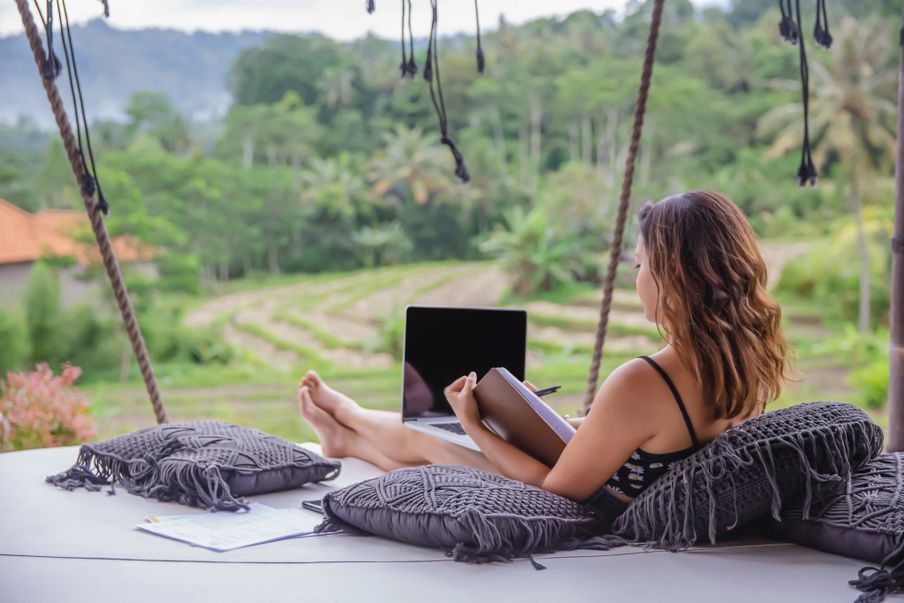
x=547, y=390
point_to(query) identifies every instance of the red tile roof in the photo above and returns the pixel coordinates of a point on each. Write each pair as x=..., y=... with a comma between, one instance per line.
x=26, y=237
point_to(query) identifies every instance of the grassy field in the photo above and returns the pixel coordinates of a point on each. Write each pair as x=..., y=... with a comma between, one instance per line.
x=339, y=324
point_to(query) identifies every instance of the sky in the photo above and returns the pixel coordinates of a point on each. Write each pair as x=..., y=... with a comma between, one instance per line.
x=339, y=19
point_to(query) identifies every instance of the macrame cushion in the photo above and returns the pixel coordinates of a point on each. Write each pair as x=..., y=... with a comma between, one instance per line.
x=474, y=515
x=209, y=464
x=749, y=470
x=861, y=517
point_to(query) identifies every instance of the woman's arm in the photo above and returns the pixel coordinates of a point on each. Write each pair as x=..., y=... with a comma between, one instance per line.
x=609, y=435
x=575, y=422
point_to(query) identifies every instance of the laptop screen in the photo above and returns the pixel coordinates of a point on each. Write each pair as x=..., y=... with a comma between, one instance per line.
x=442, y=344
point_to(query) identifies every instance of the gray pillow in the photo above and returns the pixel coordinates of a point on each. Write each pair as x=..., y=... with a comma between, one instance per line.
x=474, y=515
x=861, y=517
x=209, y=464
x=749, y=470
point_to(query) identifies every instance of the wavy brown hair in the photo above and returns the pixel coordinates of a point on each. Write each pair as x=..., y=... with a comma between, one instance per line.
x=713, y=305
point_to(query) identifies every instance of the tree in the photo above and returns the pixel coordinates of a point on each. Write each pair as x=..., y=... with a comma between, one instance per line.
x=152, y=113
x=285, y=63
x=411, y=168
x=852, y=121
x=43, y=315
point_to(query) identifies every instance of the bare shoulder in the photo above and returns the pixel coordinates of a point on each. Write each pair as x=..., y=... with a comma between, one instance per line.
x=628, y=388
x=630, y=376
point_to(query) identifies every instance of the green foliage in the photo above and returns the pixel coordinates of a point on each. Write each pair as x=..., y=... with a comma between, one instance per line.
x=14, y=350
x=178, y=272
x=533, y=253
x=392, y=333
x=285, y=63
x=830, y=271
x=91, y=340
x=43, y=315
x=872, y=382
x=207, y=347
x=382, y=245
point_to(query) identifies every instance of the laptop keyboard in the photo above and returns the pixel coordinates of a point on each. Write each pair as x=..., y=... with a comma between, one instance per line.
x=453, y=427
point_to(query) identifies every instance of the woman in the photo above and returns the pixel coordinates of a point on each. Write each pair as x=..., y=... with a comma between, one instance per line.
x=701, y=279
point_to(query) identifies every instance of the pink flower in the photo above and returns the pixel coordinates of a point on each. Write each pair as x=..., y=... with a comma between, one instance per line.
x=38, y=409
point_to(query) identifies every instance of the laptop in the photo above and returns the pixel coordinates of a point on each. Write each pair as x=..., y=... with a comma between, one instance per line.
x=441, y=344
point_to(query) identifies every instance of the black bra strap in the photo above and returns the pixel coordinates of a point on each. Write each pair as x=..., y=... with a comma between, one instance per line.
x=687, y=418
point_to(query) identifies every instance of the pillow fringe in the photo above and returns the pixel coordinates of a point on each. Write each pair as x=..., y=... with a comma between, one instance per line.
x=197, y=485
x=95, y=468
x=834, y=447
x=887, y=579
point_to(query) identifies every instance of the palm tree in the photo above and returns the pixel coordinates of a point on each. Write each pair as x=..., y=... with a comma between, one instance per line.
x=852, y=118
x=532, y=253
x=332, y=188
x=336, y=87
x=411, y=167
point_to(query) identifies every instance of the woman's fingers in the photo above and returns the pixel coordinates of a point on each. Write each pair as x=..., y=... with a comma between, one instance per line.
x=529, y=385
x=457, y=385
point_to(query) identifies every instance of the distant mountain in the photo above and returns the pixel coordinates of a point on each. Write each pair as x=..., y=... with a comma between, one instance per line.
x=113, y=64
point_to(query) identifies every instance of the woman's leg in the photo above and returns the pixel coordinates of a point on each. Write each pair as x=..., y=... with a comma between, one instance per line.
x=384, y=430
x=337, y=440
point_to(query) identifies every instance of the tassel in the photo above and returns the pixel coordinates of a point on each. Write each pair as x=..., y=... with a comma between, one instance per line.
x=806, y=173
x=876, y=582
x=52, y=65
x=428, y=66
x=461, y=170
x=412, y=67
x=821, y=29
x=436, y=97
x=371, y=7
x=412, y=64
x=403, y=66
x=787, y=27
x=537, y=566
x=408, y=67
x=481, y=60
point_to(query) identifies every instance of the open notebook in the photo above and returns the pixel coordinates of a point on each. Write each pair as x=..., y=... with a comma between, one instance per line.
x=520, y=417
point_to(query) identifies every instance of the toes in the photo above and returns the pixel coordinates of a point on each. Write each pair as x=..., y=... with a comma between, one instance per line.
x=312, y=409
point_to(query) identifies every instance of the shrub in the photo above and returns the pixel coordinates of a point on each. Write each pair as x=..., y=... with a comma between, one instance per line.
x=38, y=409
x=392, y=333
x=872, y=381
x=14, y=349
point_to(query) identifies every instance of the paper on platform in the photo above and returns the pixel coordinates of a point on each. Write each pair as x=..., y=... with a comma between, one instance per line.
x=223, y=531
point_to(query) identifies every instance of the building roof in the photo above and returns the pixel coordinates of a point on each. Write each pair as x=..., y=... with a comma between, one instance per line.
x=27, y=237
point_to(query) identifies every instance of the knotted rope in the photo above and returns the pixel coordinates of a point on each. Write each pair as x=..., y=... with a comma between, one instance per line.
x=76, y=160
x=615, y=251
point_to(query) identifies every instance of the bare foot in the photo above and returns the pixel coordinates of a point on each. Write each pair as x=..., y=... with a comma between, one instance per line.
x=326, y=398
x=334, y=437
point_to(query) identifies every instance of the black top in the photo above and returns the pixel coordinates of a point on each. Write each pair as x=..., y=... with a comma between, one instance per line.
x=642, y=467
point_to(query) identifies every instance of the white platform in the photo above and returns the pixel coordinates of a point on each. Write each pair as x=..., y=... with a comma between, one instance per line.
x=81, y=546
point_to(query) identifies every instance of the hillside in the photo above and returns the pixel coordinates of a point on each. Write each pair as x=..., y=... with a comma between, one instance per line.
x=190, y=69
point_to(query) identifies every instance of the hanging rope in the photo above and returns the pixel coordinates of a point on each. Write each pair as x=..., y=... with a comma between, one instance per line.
x=615, y=252
x=77, y=162
x=408, y=66
x=791, y=27
x=481, y=60
x=431, y=74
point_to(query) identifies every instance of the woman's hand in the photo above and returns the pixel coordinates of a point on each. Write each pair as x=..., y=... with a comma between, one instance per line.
x=460, y=395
